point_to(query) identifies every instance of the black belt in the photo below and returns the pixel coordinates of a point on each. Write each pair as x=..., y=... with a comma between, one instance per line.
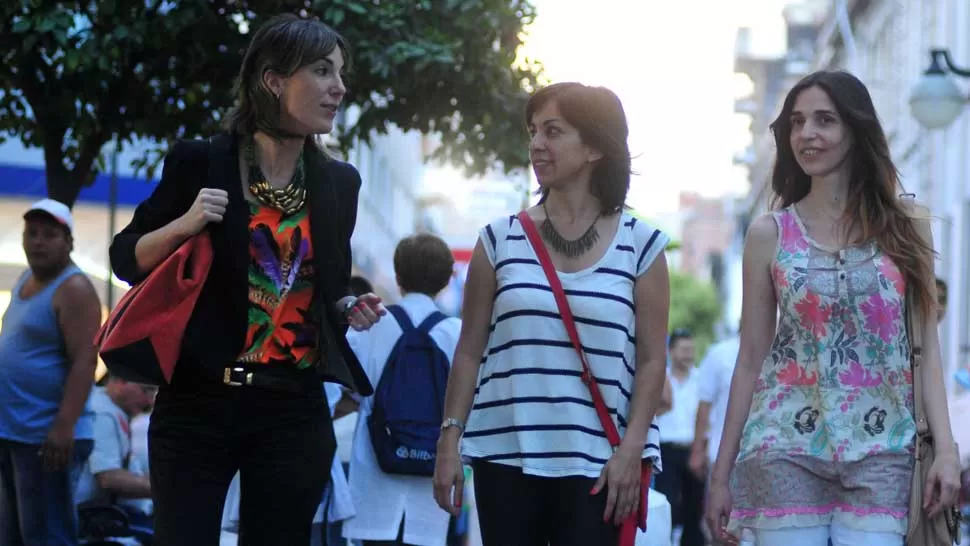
x=237, y=376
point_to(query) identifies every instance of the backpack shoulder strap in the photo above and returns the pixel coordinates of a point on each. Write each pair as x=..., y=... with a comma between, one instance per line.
x=433, y=320
x=401, y=316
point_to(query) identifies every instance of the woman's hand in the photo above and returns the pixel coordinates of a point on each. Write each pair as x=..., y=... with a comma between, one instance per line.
x=718, y=512
x=209, y=206
x=621, y=477
x=366, y=312
x=942, y=484
x=449, y=475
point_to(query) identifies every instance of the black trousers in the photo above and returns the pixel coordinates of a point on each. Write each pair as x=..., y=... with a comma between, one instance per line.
x=516, y=509
x=202, y=432
x=684, y=491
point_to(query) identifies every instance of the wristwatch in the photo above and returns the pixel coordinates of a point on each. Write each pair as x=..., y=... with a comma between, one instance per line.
x=452, y=422
x=348, y=307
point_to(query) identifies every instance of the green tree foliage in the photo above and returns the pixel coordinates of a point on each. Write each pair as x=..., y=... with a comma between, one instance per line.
x=75, y=75
x=694, y=305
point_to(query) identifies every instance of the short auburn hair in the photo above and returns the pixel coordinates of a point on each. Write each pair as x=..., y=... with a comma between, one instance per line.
x=423, y=264
x=598, y=115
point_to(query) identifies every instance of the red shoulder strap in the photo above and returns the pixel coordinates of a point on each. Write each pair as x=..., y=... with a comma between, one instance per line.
x=567, y=318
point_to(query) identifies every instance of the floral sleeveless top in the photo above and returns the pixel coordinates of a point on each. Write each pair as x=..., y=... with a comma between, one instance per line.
x=837, y=383
x=282, y=328
x=830, y=432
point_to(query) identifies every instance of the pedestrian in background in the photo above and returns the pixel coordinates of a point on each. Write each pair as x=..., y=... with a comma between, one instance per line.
x=47, y=364
x=683, y=489
x=396, y=509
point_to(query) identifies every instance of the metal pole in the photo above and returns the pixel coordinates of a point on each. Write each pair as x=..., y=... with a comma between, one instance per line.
x=112, y=213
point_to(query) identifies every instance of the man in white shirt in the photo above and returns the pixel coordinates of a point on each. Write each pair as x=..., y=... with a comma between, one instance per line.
x=112, y=475
x=713, y=390
x=714, y=387
x=396, y=509
x=683, y=489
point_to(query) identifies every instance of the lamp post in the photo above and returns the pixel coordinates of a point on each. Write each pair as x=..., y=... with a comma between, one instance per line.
x=936, y=100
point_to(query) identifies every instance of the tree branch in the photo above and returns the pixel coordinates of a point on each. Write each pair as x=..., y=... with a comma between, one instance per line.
x=26, y=80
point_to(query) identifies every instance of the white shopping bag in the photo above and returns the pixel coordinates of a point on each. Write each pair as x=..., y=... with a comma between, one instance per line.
x=659, y=525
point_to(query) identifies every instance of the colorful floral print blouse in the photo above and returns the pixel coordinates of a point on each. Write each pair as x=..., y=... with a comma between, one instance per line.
x=282, y=326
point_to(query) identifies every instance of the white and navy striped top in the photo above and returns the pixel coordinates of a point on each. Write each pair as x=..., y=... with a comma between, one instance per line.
x=531, y=408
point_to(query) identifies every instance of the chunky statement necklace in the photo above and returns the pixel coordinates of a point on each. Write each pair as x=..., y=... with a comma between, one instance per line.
x=570, y=249
x=289, y=199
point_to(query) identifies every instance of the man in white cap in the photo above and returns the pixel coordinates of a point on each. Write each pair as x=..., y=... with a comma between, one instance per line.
x=47, y=364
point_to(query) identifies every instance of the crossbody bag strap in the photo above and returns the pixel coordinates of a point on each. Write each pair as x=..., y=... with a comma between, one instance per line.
x=914, y=330
x=913, y=324
x=567, y=318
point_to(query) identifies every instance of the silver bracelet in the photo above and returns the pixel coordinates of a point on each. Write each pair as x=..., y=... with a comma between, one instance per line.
x=452, y=422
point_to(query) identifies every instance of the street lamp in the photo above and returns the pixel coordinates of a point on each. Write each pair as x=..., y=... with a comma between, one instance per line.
x=936, y=100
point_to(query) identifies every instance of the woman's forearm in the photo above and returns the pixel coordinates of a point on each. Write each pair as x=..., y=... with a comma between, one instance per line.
x=936, y=408
x=154, y=247
x=739, y=405
x=648, y=387
x=460, y=393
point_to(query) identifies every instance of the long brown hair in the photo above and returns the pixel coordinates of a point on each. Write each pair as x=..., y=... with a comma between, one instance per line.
x=597, y=113
x=284, y=44
x=873, y=204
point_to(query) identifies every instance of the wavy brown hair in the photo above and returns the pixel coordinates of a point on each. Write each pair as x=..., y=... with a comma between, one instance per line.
x=873, y=203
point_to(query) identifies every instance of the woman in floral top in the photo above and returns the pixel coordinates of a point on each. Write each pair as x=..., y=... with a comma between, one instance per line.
x=818, y=442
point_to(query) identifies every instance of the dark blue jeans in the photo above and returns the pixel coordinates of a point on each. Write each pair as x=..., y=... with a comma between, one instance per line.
x=37, y=506
x=141, y=523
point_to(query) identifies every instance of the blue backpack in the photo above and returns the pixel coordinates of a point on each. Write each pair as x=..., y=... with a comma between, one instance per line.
x=409, y=400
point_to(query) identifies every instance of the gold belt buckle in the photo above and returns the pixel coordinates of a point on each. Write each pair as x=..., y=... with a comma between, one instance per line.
x=227, y=377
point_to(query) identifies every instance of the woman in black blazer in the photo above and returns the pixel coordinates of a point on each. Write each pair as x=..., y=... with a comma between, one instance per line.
x=270, y=321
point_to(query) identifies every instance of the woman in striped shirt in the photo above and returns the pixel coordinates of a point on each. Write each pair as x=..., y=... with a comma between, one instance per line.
x=543, y=468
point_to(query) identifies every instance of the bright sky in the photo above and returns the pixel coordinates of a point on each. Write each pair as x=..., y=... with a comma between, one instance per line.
x=671, y=63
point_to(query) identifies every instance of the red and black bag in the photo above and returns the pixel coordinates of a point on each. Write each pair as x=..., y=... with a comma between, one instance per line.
x=142, y=337
x=628, y=529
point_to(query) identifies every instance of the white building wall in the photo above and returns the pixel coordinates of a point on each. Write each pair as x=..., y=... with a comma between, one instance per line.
x=391, y=168
x=950, y=168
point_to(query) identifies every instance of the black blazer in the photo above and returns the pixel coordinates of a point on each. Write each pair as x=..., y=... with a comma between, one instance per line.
x=216, y=332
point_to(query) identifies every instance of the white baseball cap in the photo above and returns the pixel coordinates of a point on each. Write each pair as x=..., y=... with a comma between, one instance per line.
x=58, y=210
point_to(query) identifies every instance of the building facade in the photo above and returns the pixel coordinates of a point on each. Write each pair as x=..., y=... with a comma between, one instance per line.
x=706, y=244
x=770, y=74
x=391, y=168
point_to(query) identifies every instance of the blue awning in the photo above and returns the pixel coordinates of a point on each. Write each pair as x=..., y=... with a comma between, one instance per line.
x=23, y=181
